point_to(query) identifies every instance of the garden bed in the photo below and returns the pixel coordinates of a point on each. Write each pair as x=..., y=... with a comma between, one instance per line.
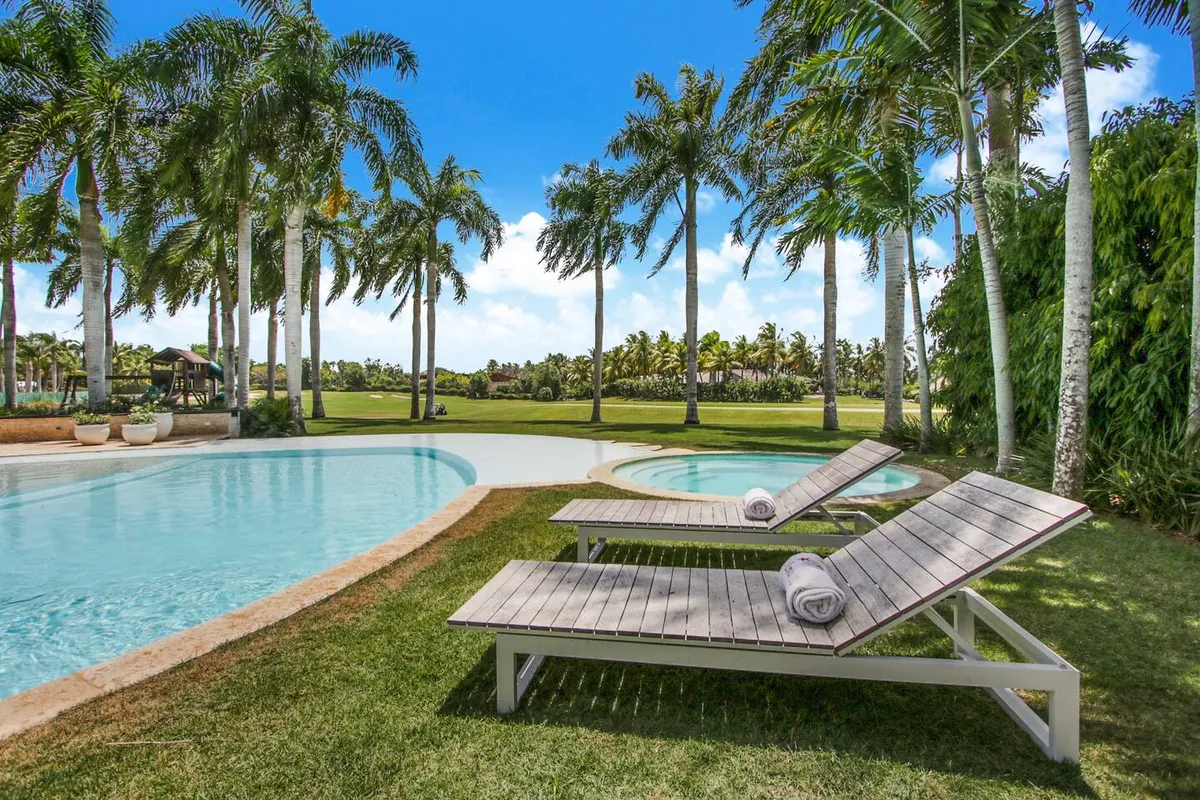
x=21, y=430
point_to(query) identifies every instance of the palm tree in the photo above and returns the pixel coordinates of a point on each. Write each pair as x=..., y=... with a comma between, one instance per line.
x=641, y=351
x=84, y=122
x=584, y=235
x=1070, y=452
x=955, y=44
x=18, y=242
x=390, y=255
x=449, y=195
x=336, y=225
x=1184, y=16
x=309, y=85
x=677, y=145
x=616, y=363
x=770, y=349
x=202, y=63
x=798, y=188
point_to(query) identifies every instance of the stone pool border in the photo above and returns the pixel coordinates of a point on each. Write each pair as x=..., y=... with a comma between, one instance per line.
x=930, y=481
x=38, y=705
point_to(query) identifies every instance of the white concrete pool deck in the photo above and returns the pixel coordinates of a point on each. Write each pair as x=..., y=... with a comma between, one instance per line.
x=499, y=459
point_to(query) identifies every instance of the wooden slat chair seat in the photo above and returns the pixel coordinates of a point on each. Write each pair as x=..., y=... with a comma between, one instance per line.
x=736, y=619
x=726, y=522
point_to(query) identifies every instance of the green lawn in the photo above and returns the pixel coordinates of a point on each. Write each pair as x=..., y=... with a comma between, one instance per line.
x=734, y=427
x=370, y=695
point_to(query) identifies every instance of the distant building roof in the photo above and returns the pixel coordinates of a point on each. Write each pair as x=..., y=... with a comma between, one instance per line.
x=501, y=377
x=173, y=354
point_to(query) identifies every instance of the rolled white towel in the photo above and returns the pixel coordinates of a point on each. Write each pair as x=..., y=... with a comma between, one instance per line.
x=811, y=593
x=758, y=504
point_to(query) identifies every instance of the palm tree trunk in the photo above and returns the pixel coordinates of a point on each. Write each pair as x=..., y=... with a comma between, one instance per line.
x=228, y=367
x=244, y=234
x=214, y=327
x=293, y=321
x=958, y=180
x=829, y=348
x=922, y=354
x=91, y=262
x=997, y=316
x=893, y=326
x=110, y=342
x=272, y=346
x=691, y=304
x=1070, y=452
x=415, y=408
x=430, y=322
x=1193, y=420
x=598, y=349
x=314, y=341
x=8, y=313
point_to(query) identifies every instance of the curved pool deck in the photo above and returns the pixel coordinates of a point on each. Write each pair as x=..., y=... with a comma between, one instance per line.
x=498, y=460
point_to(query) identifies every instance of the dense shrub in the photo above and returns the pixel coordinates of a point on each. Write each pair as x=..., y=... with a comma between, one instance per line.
x=268, y=419
x=778, y=389
x=545, y=394
x=1143, y=174
x=478, y=386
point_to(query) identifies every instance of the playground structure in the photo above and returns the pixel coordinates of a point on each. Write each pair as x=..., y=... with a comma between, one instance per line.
x=176, y=376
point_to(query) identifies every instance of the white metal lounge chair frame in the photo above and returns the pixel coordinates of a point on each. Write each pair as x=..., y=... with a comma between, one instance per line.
x=1058, y=738
x=863, y=522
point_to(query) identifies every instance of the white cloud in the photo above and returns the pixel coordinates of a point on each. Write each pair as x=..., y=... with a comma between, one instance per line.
x=729, y=259
x=516, y=266
x=929, y=249
x=705, y=202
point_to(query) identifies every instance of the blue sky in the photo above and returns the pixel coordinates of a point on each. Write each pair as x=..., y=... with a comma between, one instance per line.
x=514, y=89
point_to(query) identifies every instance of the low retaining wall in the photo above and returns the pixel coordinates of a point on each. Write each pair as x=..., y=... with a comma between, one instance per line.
x=19, y=430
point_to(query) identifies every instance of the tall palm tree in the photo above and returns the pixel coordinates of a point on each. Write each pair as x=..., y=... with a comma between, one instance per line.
x=641, y=351
x=201, y=64
x=85, y=122
x=1184, y=16
x=446, y=196
x=584, y=235
x=1070, y=452
x=309, y=85
x=389, y=255
x=336, y=225
x=955, y=45
x=677, y=145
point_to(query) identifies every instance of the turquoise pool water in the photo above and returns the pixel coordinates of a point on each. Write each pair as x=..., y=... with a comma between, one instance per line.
x=738, y=473
x=94, y=568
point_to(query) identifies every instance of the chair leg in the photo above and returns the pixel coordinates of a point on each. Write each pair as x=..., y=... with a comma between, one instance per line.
x=1064, y=721
x=507, y=694
x=964, y=621
x=584, y=549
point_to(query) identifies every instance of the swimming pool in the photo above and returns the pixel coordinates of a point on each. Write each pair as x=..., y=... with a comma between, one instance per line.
x=92, y=568
x=735, y=474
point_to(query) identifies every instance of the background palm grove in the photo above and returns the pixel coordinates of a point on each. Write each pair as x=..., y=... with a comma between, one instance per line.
x=208, y=166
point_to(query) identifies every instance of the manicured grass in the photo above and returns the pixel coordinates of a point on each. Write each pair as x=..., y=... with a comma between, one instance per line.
x=723, y=427
x=370, y=694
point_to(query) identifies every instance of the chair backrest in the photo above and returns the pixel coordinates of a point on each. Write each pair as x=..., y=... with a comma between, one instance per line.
x=971, y=528
x=838, y=473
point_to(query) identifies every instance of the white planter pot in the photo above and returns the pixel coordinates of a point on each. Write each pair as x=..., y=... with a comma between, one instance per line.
x=166, y=421
x=92, y=434
x=139, y=434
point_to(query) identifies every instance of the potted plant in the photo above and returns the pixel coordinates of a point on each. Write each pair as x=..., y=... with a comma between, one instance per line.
x=91, y=428
x=142, y=427
x=166, y=420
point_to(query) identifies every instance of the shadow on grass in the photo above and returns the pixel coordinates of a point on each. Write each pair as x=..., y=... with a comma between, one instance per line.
x=949, y=729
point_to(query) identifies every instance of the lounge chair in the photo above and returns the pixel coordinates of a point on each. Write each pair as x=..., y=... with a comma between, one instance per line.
x=736, y=619
x=726, y=522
